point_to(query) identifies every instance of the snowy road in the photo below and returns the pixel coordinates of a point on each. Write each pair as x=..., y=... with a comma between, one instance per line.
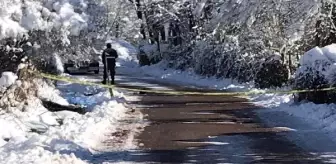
x=203, y=129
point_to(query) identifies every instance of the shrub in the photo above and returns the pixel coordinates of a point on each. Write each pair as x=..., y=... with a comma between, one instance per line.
x=271, y=74
x=316, y=71
x=143, y=59
x=312, y=79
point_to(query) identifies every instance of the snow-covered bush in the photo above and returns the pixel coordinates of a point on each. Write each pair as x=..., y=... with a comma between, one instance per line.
x=150, y=54
x=217, y=59
x=70, y=28
x=316, y=71
x=233, y=38
x=11, y=55
x=312, y=79
x=271, y=74
x=18, y=17
x=143, y=59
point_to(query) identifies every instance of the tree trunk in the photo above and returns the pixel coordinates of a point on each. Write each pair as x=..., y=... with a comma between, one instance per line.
x=318, y=33
x=139, y=11
x=325, y=32
x=163, y=33
x=117, y=29
x=290, y=64
x=158, y=45
x=143, y=31
x=176, y=34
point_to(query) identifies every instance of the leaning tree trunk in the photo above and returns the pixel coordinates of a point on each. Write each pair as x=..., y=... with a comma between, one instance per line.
x=325, y=27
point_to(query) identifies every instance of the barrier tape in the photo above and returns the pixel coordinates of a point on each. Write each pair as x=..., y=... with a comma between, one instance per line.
x=218, y=93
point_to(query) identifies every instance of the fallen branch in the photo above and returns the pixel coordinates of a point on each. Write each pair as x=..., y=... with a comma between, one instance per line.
x=54, y=107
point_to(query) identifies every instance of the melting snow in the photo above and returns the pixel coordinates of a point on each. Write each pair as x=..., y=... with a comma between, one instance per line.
x=72, y=141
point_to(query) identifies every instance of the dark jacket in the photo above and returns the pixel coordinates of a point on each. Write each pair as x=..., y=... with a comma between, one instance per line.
x=109, y=52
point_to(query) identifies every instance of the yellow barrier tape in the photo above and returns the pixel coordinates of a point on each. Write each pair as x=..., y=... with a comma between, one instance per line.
x=223, y=93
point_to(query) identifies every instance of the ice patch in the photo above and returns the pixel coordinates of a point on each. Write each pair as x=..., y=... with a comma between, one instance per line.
x=216, y=143
x=284, y=129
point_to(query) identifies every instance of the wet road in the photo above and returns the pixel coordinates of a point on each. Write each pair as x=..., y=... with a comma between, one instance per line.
x=203, y=129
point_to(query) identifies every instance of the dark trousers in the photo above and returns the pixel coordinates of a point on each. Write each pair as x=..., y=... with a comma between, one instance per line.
x=109, y=66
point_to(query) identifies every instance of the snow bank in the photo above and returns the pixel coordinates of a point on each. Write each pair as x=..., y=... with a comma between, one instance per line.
x=323, y=115
x=50, y=93
x=62, y=137
x=9, y=130
x=191, y=78
x=7, y=79
x=315, y=117
x=89, y=130
x=272, y=100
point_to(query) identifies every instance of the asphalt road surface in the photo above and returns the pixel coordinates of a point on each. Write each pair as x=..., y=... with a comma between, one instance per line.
x=203, y=129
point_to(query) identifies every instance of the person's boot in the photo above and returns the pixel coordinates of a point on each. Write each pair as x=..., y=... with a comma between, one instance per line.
x=103, y=82
x=112, y=81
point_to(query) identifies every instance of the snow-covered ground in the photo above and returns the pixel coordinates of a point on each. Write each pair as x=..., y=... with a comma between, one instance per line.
x=189, y=77
x=77, y=137
x=72, y=140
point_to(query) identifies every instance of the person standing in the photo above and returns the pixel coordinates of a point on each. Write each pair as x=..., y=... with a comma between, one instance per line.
x=109, y=57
